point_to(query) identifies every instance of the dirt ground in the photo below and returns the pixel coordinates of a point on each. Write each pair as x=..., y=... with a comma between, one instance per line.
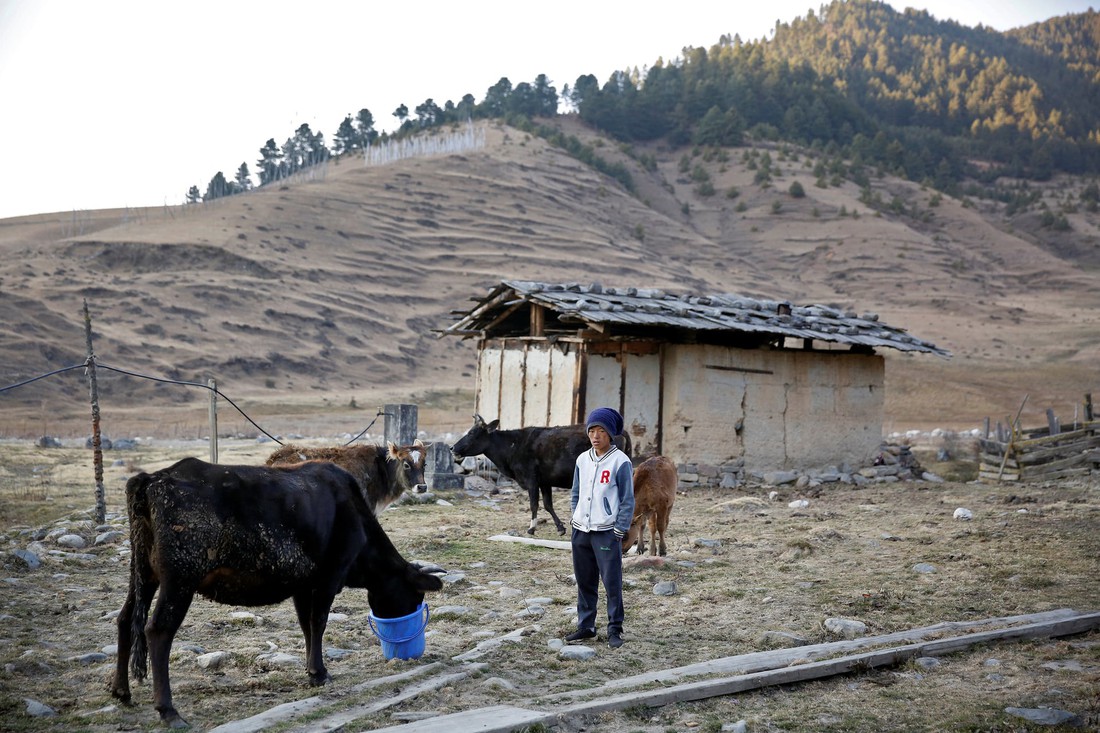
x=743, y=564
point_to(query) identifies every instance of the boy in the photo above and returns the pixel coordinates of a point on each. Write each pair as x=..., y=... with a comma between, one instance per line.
x=603, y=506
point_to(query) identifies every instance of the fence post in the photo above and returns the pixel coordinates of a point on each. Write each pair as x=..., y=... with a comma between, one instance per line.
x=97, y=445
x=213, y=385
x=400, y=425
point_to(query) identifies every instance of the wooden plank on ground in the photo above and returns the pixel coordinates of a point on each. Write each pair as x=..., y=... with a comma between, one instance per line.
x=817, y=670
x=288, y=711
x=337, y=720
x=775, y=658
x=505, y=719
x=555, y=544
x=495, y=719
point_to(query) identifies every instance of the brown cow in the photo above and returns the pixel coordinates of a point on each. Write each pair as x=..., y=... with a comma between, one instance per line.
x=655, y=482
x=382, y=473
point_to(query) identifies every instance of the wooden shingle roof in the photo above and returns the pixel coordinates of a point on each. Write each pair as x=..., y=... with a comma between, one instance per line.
x=639, y=310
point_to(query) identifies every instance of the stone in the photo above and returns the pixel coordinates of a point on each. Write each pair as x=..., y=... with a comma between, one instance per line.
x=1044, y=716
x=212, y=661
x=74, y=541
x=846, y=628
x=576, y=653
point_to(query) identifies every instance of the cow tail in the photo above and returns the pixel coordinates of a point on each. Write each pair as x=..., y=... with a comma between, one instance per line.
x=141, y=546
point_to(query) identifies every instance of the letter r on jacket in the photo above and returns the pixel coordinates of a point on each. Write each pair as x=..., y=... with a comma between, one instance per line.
x=605, y=477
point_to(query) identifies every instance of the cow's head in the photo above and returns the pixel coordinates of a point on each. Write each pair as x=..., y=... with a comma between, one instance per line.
x=476, y=440
x=409, y=462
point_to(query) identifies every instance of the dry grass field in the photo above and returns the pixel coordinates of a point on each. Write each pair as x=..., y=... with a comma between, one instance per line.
x=743, y=565
x=330, y=289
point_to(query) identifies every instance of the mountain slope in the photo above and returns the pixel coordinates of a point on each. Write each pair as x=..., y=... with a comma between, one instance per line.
x=328, y=291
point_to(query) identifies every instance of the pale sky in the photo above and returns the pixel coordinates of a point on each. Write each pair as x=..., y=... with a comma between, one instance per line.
x=114, y=103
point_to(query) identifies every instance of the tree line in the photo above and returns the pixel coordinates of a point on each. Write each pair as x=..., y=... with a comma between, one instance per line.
x=902, y=91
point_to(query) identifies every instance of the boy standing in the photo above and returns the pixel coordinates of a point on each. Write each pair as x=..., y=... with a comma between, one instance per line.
x=603, y=506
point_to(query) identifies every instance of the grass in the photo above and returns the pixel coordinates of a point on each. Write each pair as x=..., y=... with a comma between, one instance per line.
x=775, y=570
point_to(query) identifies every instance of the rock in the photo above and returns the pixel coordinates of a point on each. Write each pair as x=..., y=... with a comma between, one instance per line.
x=778, y=478
x=111, y=536
x=741, y=726
x=31, y=559
x=576, y=653
x=337, y=653
x=963, y=513
x=246, y=617
x=799, y=504
x=923, y=567
x=665, y=588
x=212, y=661
x=90, y=658
x=74, y=541
x=36, y=709
x=927, y=662
x=1044, y=716
x=280, y=659
x=779, y=640
x=847, y=628
x=48, y=441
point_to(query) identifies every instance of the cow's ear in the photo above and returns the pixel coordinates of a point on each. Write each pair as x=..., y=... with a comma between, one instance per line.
x=424, y=581
x=420, y=443
x=494, y=424
x=392, y=450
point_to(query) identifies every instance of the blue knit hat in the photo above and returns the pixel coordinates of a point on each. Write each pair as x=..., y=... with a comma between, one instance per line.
x=608, y=419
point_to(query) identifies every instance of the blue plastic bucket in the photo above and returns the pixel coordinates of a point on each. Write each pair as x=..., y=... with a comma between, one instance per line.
x=402, y=637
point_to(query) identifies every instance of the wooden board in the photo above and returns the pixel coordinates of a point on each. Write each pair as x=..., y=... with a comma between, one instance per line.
x=555, y=544
x=782, y=667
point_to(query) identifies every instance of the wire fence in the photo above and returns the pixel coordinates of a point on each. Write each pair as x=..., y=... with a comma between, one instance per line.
x=92, y=363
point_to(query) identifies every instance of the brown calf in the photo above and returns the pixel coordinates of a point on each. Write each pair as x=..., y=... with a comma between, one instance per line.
x=655, y=484
x=382, y=473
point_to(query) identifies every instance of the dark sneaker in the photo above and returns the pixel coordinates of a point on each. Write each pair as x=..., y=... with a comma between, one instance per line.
x=581, y=635
x=615, y=640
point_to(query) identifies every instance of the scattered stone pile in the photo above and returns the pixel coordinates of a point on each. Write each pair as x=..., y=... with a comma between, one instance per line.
x=894, y=462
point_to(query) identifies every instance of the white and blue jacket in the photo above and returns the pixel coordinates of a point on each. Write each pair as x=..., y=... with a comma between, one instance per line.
x=603, y=492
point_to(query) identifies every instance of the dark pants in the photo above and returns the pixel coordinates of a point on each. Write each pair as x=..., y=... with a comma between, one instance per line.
x=598, y=556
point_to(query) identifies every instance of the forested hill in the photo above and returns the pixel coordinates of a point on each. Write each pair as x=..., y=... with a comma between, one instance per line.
x=919, y=97
x=961, y=109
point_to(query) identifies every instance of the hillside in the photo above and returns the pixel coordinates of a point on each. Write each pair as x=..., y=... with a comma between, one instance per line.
x=317, y=300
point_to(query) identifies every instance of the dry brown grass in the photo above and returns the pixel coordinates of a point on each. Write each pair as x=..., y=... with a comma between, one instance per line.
x=849, y=554
x=303, y=297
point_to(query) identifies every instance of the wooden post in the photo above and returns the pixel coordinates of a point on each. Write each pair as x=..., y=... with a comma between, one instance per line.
x=400, y=424
x=213, y=385
x=1012, y=438
x=1088, y=407
x=97, y=444
x=1052, y=422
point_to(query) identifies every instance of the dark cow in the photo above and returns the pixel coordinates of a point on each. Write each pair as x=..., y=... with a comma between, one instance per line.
x=251, y=536
x=383, y=473
x=538, y=459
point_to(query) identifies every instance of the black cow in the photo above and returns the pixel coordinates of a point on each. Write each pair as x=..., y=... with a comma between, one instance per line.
x=383, y=473
x=538, y=459
x=250, y=536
